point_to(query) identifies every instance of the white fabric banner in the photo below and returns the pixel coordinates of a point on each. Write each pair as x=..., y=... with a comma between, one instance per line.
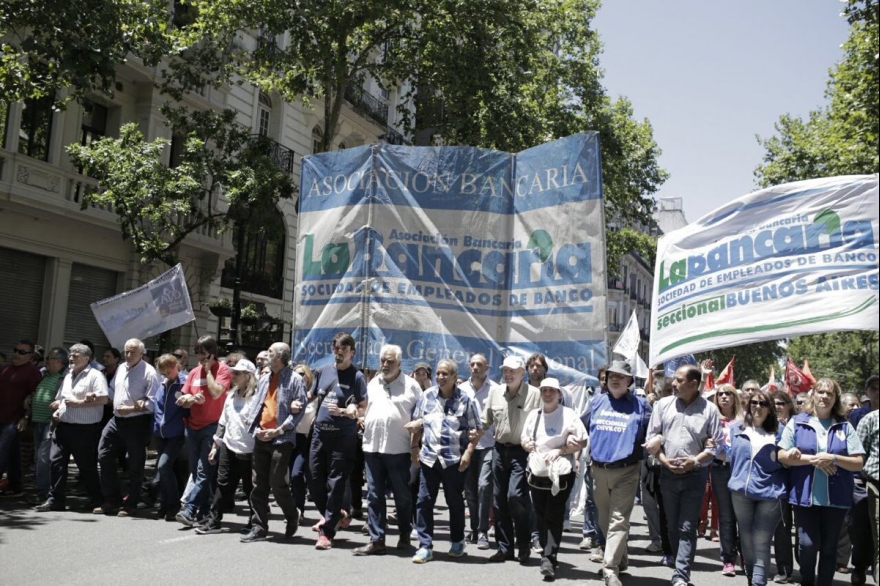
x=791, y=260
x=153, y=308
x=628, y=344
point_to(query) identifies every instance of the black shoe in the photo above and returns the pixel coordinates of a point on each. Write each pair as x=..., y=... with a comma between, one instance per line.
x=471, y=537
x=48, y=506
x=404, y=542
x=255, y=535
x=547, y=570
x=524, y=556
x=500, y=556
x=11, y=493
x=240, y=495
x=357, y=514
x=857, y=578
x=372, y=548
x=210, y=527
x=292, y=525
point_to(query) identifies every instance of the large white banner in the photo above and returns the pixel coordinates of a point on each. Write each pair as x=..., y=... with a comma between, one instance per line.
x=796, y=259
x=452, y=250
x=153, y=308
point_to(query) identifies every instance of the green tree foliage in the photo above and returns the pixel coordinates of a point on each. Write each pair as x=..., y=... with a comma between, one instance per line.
x=753, y=361
x=158, y=205
x=839, y=139
x=70, y=48
x=848, y=357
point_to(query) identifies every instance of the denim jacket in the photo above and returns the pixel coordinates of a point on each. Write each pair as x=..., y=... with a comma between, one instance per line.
x=167, y=416
x=290, y=388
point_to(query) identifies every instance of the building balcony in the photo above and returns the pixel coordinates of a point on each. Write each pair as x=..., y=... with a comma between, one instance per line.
x=616, y=284
x=391, y=136
x=281, y=156
x=367, y=104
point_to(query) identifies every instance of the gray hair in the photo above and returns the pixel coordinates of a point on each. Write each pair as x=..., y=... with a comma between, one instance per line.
x=451, y=364
x=81, y=349
x=393, y=349
x=282, y=349
x=138, y=343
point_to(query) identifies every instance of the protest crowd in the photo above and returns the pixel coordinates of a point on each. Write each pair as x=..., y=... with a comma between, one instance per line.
x=787, y=484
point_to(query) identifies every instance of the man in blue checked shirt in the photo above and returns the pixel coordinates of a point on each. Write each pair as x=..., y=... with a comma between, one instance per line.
x=444, y=417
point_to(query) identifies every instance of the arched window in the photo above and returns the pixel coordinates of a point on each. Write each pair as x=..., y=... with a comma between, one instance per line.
x=317, y=139
x=264, y=241
x=265, y=114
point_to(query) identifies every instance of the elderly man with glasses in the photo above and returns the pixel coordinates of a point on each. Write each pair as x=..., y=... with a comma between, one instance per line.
x=78, y=408
x=18, y=381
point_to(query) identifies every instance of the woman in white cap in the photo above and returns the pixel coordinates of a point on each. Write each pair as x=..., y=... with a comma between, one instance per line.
x=233, y=446
x=551, y=435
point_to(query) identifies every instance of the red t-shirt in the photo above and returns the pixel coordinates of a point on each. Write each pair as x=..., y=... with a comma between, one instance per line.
x=208, y=412
x=16, y=383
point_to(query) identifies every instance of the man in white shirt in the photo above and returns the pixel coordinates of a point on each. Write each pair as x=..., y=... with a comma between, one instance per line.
x=136, y=384
x=478, y=477
x=78, y=408
x=389, y=448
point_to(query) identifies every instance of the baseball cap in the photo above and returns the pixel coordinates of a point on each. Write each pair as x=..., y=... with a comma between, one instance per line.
x=424, y=365
x=551, y=383
x=244, y=365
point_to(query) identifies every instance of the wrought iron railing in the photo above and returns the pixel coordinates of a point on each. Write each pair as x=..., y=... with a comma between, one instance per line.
x=367, y=104
x=280, y=155
x=391, y=136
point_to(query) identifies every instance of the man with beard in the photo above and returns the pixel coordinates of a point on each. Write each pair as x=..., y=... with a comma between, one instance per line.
x=342, y=392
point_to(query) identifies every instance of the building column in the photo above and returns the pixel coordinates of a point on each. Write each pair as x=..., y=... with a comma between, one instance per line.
x=56, y=290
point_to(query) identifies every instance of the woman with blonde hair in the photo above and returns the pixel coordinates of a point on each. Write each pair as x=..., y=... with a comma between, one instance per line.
x=233, y=446
x=823, y=451
x=730, y=408
x=299, y=460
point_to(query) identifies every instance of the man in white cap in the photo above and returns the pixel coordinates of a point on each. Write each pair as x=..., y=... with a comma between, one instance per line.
x=506, y=408
x=617, y=422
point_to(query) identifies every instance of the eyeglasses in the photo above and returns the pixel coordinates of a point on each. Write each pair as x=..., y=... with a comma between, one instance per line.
x=725, y=393
x=780, y=403
x=801, y=402
x=179, y=356
x=751, y=390
x=763, y=404
x=22, y=351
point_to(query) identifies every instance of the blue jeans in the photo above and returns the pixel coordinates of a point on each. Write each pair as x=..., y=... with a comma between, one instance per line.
x=478, y=490
x=757, y=524
x=168, y=450
x=591, y=526
x=726, y=516
x=299, y=471
x=682, y=499
x=42, y=447
x=818, y=531
x=512, y=500
x=430, y=480
x=198, y=443
x=384, y=470
x=10, y=459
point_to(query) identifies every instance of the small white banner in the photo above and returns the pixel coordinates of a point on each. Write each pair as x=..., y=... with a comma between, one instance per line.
x=795, y=259
x=153, y=308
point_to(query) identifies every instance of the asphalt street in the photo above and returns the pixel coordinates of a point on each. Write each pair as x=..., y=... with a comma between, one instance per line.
x=78, y=548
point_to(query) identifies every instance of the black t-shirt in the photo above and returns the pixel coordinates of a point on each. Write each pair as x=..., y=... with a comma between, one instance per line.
x=343, y=388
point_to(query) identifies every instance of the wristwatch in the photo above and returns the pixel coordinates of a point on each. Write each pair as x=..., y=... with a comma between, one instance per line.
x=697, y=463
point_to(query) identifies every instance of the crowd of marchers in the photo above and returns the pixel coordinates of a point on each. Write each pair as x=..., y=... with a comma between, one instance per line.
x=795, y=478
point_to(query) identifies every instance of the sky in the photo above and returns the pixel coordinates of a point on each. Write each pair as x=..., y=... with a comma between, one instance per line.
x=711, y=75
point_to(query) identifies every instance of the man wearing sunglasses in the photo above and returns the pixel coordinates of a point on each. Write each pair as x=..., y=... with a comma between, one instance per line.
x=18, y=381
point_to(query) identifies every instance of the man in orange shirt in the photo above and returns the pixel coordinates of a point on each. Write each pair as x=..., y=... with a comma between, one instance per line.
x=203, y=394
x=279, y=394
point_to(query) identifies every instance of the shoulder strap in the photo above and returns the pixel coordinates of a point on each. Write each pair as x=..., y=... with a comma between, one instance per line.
x=537, y=422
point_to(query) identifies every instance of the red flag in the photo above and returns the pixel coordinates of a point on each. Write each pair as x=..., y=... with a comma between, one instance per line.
x=726, y=375
x=798, y=380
